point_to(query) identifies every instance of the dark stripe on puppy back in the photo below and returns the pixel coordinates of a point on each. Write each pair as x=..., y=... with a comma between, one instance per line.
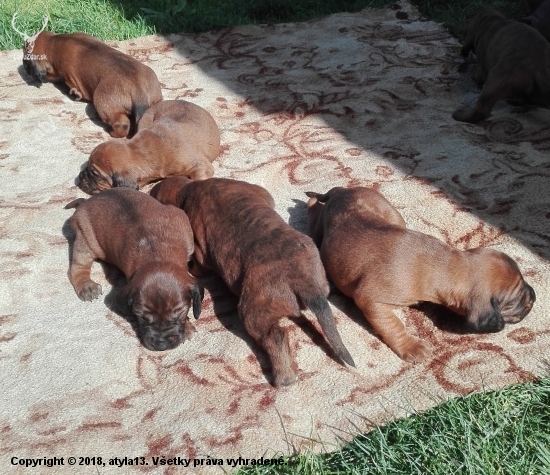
x=320, y=307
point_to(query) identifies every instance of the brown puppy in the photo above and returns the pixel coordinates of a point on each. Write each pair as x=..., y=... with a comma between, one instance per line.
x=539, y=17
x=274, y=269
x=120, y=87
x=370, y=256
x=151, y=244
x=513, y=59
x=173, y=138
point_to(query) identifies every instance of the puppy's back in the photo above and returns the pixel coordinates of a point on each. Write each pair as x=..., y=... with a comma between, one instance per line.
x=121, y=225
x=83, y=50
x=238, y=225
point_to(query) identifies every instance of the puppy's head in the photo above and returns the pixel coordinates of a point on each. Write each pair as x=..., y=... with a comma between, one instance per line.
x=168, y=189
x=35, y=58
x=500, y=294
x=160, y=297
x=109, y=166
x=479, y=25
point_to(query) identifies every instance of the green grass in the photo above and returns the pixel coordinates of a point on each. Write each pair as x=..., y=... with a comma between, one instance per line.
x=102, y=19
x=455, y=14
x=124, y=19
x=492, y=433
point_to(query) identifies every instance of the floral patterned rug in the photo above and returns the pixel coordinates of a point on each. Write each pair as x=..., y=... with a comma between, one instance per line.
x=347, y=100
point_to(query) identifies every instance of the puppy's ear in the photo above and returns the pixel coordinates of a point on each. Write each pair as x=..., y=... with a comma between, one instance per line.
x=124, y=182
x=318, y=196
x=197, y=294
x=124, y=300
x=485, y=318
x=470, y=38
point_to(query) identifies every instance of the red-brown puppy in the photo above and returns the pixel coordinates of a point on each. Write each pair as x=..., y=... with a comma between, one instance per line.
x=370, y=256
x=151, y=244
x=120, y=87
x=513, y=60
x=173, y=138
x=274, y=269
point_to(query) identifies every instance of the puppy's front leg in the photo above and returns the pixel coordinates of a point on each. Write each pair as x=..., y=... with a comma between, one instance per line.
x=190, y=330
x=79, y=271
x=392, y=331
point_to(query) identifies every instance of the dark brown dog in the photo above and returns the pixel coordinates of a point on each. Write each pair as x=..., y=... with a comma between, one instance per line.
x=513, y=60
x=120, y=87
x=370, y=256
x=151, y=244
x=539, y=17
x=173, y=138
x=274, y=269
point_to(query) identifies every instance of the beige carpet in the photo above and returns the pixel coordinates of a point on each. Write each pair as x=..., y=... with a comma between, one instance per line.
x=351, y=99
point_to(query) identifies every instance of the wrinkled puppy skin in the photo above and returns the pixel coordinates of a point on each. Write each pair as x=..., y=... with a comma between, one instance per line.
x=173, y=138
x=513, y=61
x=151, y=244
x=120, y=87
x=275, y=270
x=371, y=257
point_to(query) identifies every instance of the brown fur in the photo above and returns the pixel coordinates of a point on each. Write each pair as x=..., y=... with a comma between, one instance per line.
x=173, y=138
x=274, y=269
x=539, y=17
x=370, y=256
x=513, y=60
x=151, y=244
x=120, y=87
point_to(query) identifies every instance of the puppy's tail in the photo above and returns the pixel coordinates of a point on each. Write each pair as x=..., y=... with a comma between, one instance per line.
x=320, y=307
x=75, y=203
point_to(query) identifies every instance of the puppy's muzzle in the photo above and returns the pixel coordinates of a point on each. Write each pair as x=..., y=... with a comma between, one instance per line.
x=89, y=181
x=522, y=306
x=162, y=340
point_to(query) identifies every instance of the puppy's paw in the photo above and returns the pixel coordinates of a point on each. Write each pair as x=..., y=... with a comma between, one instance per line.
x=468, y=114
x=89, y=291
x=285, y=379
x=416, y=351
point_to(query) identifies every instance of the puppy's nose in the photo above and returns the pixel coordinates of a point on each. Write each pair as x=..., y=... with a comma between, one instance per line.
x=161, y=345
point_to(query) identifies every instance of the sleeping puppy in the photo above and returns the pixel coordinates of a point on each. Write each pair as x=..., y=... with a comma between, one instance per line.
x=513, y=60
x=120, y=87
x=370, y=256
x=173, y=138
x=274, y=269
x=151, y=244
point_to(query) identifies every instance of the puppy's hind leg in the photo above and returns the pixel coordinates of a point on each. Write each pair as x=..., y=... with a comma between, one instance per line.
x=202, y=171
x=268, y=333
x=113, y=113
x=79, y=271
x=392, y=331
x=499, y=85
